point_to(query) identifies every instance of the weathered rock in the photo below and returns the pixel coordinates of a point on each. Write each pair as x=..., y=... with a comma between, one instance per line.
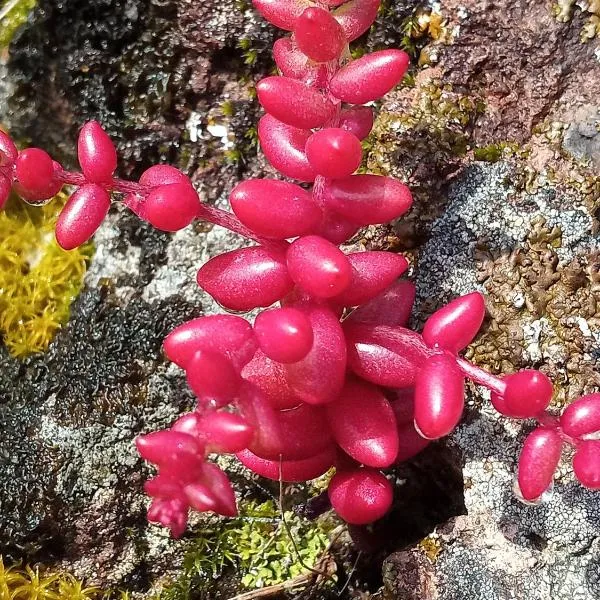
x=523, y=230
x=582, y=138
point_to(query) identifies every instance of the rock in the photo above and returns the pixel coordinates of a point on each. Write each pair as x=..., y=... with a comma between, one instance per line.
x=499, y=81
x=582, y=139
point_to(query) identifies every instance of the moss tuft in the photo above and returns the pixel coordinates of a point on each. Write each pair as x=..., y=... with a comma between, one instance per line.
x=38, y=280
x=27, y=583
x=255, y=547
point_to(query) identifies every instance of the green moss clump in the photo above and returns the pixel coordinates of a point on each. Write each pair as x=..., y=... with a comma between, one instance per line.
x=14, y=18
x=38, y=280
x=255, y=547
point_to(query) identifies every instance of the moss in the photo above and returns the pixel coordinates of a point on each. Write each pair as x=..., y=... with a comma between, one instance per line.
x=435, y=125
x=14, y=18
x=227, y=108
x=255, y=548
x=38, y=279
x=27, y=583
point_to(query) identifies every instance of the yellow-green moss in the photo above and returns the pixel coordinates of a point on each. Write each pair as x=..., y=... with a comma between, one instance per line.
x=27, y=583
x=255, y=547
x=13, y=19
x=38, y=280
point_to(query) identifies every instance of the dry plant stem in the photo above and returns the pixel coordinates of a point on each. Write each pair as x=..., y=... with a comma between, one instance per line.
x=229, y=221
x=315, y=572
x=117, y=185
x=274, y=590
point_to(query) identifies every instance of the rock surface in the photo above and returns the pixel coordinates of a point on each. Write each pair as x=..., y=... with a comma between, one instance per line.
x=498, y=140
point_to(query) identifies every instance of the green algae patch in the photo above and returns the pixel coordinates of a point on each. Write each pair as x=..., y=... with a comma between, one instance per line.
x=14, y=16
x=38, y=280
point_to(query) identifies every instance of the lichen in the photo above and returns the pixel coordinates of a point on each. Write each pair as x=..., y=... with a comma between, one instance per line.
x=255, y=547
x=431, y=546
x=495, y=152
x=38, y=280
x=541, y=311
x=14, y=17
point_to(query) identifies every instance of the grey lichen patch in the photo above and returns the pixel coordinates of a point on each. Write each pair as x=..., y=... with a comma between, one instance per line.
x=189, y=249
x=530, y=548
x=532, y=251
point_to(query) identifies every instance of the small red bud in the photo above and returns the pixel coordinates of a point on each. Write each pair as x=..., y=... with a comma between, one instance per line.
x=319, y=35
x=289, y=470
x=334, y=152
x=357, y=120
x=8, y=150
x=212, y=378
x=284, y=334
x=454, y=326
x=318, y=266
x=163, y=175
x=294, y=103
x=439, y=397
x=282, y=13
x=527, y=393
x=246, y=278
x=166, y=446
x=582, y=416
x=370, y=77
x=5, y=187
x=35, y=175
x=586, y=464
x=171, y=207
